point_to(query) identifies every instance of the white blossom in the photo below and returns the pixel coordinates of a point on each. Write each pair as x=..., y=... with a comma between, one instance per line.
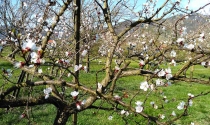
x=122, y=112
x=144, y=86
x=202, y=35
x=154, y=105
x=138, y=103
x=18, y=64
x=69, y=74
x=29, y=45
x=190, y=46
x=74, y=94
x=180, y=40
x=165, y=99
x=162, y=116
x=168, y=73
x=159, y=82
x=40, y=71
x=139, y=108
x=168, y=70
x=173, y=53
x=99, y=87
x=203, y=63
x=78, y=105
x=168, y=76
x=127, y=113
x=117, y=97
x=190, y=102
x=47, y=91
x=31, y=66
x=77, y=67
x=34, y=55
x=117, y=68
x=25, y=4
x=161, y=73
x=181, y=105
x=110, y=117
x=190, y=95
x=84, y=52
x=192, y=123
x=141, y=63
x=40, y=20
x=151, y=86
x=83, y=102
x=173, y=113
x=85, y=69
x=173, y=62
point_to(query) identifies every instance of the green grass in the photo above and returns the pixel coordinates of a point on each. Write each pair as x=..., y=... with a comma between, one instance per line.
x=39, y=115
x=177, y=92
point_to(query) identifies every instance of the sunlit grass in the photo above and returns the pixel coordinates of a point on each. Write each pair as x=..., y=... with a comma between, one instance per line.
x=177, y=92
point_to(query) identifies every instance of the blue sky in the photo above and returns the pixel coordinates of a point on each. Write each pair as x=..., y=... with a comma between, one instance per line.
x=194, y=4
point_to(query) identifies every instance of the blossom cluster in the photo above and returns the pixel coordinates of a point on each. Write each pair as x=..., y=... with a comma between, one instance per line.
x=167, y=73
x=149, y=7
x=139, y=108
x=79, y=104
x=47, y=92
x=182, y=104
x=123, y=112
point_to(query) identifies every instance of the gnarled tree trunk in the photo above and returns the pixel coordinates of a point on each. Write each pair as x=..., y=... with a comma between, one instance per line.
x=63, y=114
x=61, y=117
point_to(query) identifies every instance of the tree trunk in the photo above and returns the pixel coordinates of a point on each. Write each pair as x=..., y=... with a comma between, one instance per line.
x=77, y=46
x=88, y=61
x=62, y=116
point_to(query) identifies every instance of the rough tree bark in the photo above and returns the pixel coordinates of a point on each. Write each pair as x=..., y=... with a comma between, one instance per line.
x=63, y=113
x=77, y=47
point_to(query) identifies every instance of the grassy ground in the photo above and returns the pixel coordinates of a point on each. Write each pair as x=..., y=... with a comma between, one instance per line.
x=198, y=113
